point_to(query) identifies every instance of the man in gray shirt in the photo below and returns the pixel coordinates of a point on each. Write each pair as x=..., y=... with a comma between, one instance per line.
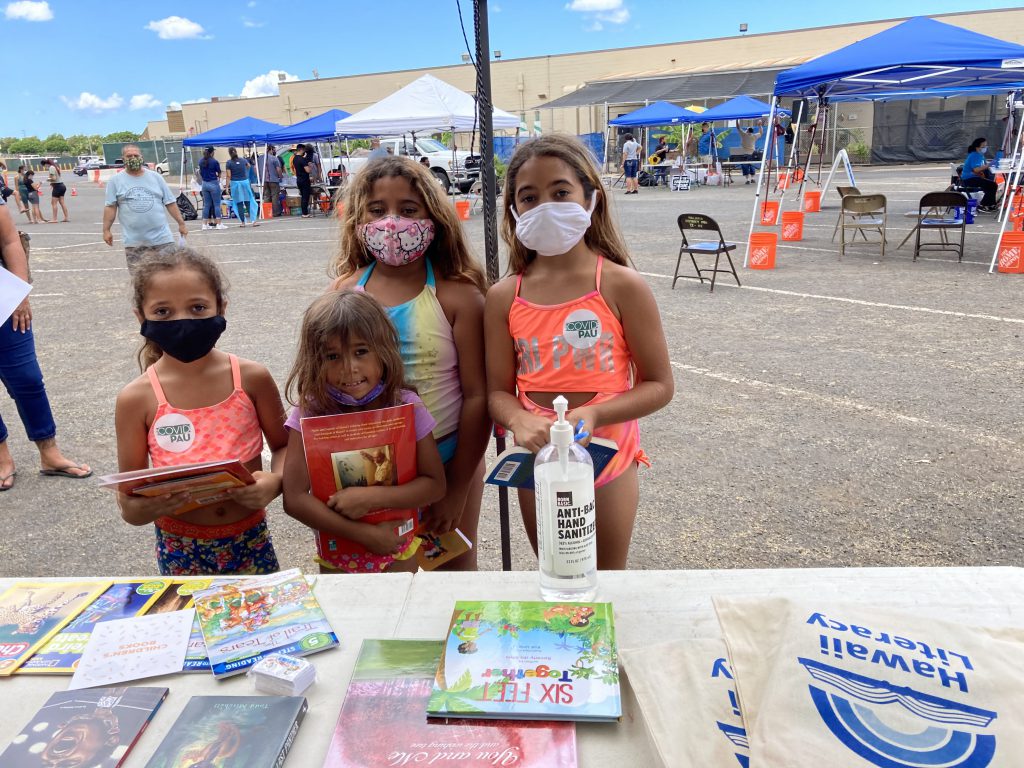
x=140, y=196
x=272, y=170
x=376, y=151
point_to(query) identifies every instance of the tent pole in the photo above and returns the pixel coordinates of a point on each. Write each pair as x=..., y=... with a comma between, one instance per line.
x=181, y=176
x=769, y=152
x=1012, y=178
x=607, y=130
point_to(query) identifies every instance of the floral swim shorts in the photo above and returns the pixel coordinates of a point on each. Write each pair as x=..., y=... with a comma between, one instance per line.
x=245, y=547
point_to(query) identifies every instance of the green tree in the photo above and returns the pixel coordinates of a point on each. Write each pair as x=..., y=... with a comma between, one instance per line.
x=120, y=136
x=5, y=143
x=56, y=144
x=30, y=145
x=80, y=144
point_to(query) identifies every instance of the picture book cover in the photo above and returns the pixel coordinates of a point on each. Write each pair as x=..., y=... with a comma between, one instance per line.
x=122, y=600
x=32, y=613
x=231, y=732
x=360, y=449
x=529, y=660
x=132, y=649
x=514, y=467
x=96, y=728
x=196, y=657
x=245, y=620
x=435, y=550
x=207, y=481
x=382, y=722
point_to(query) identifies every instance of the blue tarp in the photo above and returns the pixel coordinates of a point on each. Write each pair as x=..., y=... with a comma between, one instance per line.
x=739, y=108
x=316, y=128
x=245, y=130
x=658, y=113
x=919, y=55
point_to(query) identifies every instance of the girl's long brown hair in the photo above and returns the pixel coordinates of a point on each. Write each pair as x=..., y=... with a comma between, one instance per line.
x=343, y=315
x=179, y=257
x=603, y=236
x=448, y=253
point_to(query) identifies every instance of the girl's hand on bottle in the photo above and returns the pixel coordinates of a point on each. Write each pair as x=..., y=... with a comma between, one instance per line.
x=584, y=422
x=353, y=503
x=532, y=431
x=256, y=496
x=142, y=509
x=381, y=539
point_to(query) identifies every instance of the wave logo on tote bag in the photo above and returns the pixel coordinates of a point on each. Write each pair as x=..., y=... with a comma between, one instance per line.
x=736, y=734
x=894, y=726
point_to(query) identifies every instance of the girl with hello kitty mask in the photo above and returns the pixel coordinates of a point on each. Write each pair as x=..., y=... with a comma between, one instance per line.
x=402, y=243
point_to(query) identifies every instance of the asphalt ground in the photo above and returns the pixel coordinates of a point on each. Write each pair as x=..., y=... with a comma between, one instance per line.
x=856, y=412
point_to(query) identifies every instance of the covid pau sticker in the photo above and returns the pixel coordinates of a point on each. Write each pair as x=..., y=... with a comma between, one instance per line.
x=174, y=432
x=582, y=329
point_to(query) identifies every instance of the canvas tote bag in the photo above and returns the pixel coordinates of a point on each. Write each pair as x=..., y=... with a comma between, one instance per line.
x=848, y=686
x=688, y=701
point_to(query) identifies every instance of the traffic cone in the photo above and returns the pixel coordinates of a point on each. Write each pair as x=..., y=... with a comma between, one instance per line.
x=74, y=191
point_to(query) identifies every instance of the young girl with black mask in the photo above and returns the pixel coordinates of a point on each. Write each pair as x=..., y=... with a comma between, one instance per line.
x=194, y=403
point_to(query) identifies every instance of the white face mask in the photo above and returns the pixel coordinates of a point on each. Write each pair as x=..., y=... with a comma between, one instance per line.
x=552, y=229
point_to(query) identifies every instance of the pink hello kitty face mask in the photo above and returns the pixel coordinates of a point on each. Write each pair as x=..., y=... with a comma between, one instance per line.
x=396, y=240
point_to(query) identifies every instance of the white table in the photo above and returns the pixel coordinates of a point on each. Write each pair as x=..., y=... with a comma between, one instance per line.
x=650, y=607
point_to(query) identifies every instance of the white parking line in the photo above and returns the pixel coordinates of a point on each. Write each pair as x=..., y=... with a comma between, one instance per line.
x=861, y=302
x=123, y=269
x=43, y=295
x=848, y=404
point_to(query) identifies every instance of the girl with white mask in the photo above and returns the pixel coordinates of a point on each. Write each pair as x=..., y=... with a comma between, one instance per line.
x=573, y=319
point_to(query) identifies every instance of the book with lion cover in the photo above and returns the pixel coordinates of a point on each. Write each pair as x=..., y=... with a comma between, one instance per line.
x=365, y=448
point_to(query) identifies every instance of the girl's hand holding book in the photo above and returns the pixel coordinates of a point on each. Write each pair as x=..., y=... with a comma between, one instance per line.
x=532, y=431
x=259, y=494
x=380, y=538
x=353, y=503
x=140, y=510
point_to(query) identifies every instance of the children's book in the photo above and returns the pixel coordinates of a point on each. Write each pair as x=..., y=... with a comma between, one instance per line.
x=514, y=467
x=366, y=448
x=132, y=649
x=196, y=657
x=433, y=550
x=207, y=481
x=529, y=660
x=246, y=620
x=96, y=728
x=122, y=600
x=32, y=613
x=382, y=724
x=232, y=732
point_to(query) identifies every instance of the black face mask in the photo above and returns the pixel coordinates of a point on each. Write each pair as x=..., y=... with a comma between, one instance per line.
x=185, y=340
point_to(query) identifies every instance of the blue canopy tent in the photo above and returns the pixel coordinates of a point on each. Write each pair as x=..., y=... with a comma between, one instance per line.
x=316, y=128
x=740, y=108
x=658, y=113
x=919, y=57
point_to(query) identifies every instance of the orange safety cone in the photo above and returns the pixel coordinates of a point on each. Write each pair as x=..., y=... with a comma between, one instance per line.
x=74, y=191
x=96, y=176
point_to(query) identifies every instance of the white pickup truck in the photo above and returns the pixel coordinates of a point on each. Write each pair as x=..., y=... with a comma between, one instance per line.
x=459, y=168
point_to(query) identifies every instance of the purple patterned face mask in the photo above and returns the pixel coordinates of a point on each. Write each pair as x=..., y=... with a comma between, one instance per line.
x=396, y=240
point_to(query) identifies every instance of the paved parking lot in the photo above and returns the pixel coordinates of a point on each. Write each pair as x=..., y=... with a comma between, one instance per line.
x=861, y=412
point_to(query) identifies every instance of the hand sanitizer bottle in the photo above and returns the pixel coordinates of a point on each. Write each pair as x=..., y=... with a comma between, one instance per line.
x=566, y=521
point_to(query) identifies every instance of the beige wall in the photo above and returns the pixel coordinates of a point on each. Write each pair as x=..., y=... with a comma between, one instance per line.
x=519, y=85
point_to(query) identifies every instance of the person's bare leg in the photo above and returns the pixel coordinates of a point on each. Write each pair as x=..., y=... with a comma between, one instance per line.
x=6, y=465
x=528, y=509
x=403, y=566
x=64, y=208
x=50, y=457
x=53, y=204
x=469, y=524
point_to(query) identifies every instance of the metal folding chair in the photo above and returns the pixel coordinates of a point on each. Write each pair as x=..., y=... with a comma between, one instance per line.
x=702, y=223
x=843, y=192
x=947, y=202
x=860, y=212
x=475, y=195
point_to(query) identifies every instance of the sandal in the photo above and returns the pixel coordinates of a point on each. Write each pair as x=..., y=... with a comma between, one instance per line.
x=5, y=478
x=65, y=471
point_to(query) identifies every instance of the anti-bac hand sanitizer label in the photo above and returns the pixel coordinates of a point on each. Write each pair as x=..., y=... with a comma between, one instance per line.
x=566, y=511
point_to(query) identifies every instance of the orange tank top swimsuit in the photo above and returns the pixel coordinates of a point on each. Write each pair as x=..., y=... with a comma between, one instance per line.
x=576, y=346
x=228, y=430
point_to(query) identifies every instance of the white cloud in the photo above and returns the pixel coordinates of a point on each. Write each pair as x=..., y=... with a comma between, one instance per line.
x=252, y=24
x=90, y=102
x=177, y=28
x=597, y=26
x=28, y=10
x=618, y=16
x=251, y=4
x=590, y=6
x=196, y=101
x=266, y=84
x=174, y=106
x=144, y=101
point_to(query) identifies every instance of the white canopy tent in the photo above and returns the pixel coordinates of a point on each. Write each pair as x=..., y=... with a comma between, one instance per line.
x=426, y=104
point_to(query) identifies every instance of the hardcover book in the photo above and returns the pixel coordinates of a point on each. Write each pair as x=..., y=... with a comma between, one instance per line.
x=207, y=481
x=360, y=449
x=96, y=727
x=514, y=467
x=244, y=621
x=232, y=732
x=32, y=613
x=529, y=660
x=122, y=600
x=382, y=723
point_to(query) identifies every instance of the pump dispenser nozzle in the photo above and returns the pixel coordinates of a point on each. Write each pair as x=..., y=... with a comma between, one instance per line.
x=561, y=434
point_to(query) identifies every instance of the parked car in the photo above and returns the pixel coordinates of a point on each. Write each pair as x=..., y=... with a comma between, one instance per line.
x=163, y=167
x=458, y=168
x=89, y=165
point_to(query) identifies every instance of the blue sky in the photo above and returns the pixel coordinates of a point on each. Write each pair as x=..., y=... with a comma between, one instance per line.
x=88, y=67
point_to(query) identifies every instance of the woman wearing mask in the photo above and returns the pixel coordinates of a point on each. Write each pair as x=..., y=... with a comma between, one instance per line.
x=976, y=173
x=209, y=180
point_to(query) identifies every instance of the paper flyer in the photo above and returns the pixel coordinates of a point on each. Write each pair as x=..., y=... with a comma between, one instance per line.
x=13, y=291
x=132, y=649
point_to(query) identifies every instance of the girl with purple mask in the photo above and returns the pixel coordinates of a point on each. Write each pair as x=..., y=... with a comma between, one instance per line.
x=402, y=244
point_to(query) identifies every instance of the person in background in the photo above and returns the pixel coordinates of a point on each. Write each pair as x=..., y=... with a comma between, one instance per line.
x=425, y=162
x=661, y=167
x=20, y=373
x=706, y=144
x=209, y=179
x=301, y=170
x=748, y=139
x=22, y=189
x=34, y=188
x=272, y=170
x=57, y=189
x=237, y=185
x=978, y=174
x=376, y=151
x=143, y=200
x=631, y=164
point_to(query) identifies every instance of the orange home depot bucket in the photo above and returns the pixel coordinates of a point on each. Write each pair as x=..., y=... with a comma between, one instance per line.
x=761, y=250
x=784, y=180
x=1011, y=252
x=798, y=174
x=792, y=225
x=770, y=213
x=268, y=210
x=812, y=202
x=462, y=209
